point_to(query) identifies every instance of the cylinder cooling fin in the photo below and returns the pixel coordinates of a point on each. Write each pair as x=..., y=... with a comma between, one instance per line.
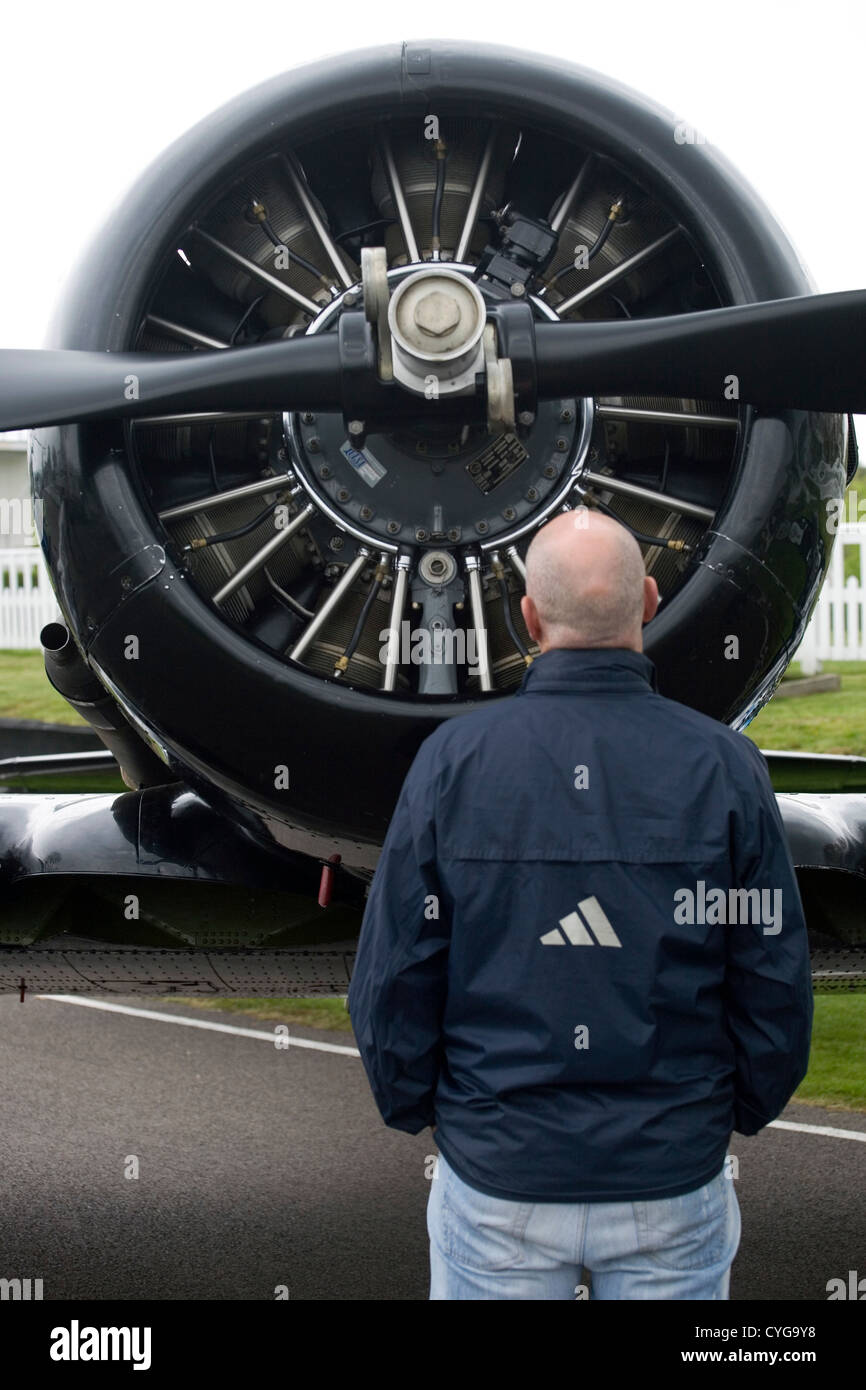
x=314, y=596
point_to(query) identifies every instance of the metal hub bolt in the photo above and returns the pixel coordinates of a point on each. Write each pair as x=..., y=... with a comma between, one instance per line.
x=437, y=314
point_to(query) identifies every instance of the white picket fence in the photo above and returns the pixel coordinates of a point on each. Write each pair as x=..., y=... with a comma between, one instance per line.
x=27, y=600
x=837, y=631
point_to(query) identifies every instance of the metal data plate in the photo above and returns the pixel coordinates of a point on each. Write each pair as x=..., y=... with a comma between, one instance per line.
x=493, y=465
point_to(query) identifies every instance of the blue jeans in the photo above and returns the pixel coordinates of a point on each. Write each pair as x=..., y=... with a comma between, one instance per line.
x=672, y=1248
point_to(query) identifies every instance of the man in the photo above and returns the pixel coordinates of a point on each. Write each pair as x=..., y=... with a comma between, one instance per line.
x=584, y=959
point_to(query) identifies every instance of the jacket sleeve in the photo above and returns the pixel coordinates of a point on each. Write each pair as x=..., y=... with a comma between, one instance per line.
x=397, y=992
x=768, y=975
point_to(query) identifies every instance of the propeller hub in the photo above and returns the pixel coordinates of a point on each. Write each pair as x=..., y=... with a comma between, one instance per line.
x=436, y=319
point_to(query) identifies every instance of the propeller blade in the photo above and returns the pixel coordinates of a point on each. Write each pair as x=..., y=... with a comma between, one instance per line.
x=807, y=353
x=55, y=388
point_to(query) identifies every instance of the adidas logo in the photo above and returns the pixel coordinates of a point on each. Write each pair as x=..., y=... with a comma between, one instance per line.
x=596, y=930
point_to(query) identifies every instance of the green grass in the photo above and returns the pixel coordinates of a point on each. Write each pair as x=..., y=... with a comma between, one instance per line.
x=837, y=1069
x=329, y=1014
x=25, y=691
x=837, y=1065
x=68, y=784
x=829, y=723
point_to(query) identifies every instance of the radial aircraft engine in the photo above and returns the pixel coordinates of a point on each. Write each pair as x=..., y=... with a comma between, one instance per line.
x=331, y=364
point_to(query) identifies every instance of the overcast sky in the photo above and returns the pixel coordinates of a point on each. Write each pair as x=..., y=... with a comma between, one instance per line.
x=92, y=92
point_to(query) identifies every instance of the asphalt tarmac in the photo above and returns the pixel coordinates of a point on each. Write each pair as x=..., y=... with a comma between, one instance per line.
x=140, y=1159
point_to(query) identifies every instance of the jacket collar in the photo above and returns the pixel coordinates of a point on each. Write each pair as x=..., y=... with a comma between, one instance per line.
x=582, y=668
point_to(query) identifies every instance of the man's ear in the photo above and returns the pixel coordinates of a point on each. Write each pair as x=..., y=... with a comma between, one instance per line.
x=530, y=617
x=650, y=598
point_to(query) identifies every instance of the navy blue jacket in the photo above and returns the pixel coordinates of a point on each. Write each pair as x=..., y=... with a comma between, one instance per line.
x=553, y=968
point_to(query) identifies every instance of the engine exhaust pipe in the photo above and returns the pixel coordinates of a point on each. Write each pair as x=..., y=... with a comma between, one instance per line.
x=72, y=678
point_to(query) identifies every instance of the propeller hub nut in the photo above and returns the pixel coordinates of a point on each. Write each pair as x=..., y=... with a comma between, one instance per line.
x=437, y=314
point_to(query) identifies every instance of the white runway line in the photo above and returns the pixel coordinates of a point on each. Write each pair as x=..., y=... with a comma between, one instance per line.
x=273, y=1038
x=826, y=1130
x=819, y=1129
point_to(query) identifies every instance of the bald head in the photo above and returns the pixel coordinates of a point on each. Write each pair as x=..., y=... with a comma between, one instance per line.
x=586, y=585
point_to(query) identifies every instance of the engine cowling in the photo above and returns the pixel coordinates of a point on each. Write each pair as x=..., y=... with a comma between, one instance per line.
x=228, y=578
